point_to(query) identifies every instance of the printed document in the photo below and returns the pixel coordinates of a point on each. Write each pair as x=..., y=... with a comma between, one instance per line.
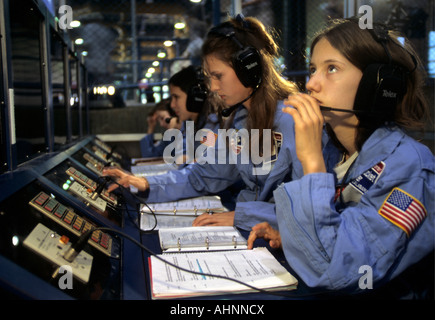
x=257, y=267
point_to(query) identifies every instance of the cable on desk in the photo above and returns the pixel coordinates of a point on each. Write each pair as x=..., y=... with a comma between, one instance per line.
x=195, y=272
x=142, y=201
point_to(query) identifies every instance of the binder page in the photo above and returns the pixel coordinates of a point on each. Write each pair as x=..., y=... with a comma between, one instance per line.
x=152, y=170
x=257, y=267
x=192, y=206
x=201, y=238
x=148, y=221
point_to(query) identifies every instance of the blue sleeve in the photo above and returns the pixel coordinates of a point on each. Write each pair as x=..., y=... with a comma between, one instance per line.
x=264, y=211
x=327, y=249
x=171, y=186
x=192, y=181
x=150, y=149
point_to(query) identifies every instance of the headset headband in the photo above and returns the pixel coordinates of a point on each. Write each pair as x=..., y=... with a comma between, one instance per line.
x=247, y=60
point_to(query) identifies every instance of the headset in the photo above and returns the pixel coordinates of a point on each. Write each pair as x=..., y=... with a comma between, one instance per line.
x=382, y=86
x=247, y=60
x=197, y=94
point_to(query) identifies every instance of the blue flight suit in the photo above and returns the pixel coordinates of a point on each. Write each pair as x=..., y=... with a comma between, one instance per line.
x=382, y=224
x=149, y=148
x=255, y=202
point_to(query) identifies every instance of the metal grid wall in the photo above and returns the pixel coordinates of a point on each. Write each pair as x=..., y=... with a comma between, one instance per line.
x=122, y=38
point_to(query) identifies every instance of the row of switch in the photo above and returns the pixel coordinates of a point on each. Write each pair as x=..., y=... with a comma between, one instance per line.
x=91, y=184
x=93, y=163
x=73, y=222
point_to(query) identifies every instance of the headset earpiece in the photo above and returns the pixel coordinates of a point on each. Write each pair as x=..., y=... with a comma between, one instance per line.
x=197, y=94
x=196, y=98
x=247, y=61
x=382, y=86
x=247, y=65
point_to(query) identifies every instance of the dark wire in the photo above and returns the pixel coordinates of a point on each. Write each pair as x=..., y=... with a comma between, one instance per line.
x=178, y=267
x=141, y=201
x=171, y=264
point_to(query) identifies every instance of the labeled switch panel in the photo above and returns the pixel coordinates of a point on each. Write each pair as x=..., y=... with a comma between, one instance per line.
x=86, y=195
x=91, y=185
x=52, y=247
x=57, y=212
x=93, y=164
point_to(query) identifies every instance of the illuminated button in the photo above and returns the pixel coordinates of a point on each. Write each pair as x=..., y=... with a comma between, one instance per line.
x=69, y=217
x=60, y=211
x=64, y=240
x=50, y=205
x=41, y=199
x=78, y=223
x=86, y=227
x=104, y=241
x=96, y=236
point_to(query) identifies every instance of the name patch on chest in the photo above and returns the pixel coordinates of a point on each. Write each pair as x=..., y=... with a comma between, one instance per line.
x=368, y=178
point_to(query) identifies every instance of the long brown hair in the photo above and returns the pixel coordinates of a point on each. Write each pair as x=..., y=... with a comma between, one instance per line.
x=361, y=49
x=251, y=32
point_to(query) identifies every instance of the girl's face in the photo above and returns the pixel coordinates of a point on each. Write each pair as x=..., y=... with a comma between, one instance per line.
x=333, y=83
x=224, y=82
x=178, y=104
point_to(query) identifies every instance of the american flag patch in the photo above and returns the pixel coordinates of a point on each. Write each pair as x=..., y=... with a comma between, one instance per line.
x=403, y=210
x=209, y=138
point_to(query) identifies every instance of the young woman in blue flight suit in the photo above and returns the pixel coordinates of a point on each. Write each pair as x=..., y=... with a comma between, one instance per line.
x=190, y=103
x=238, y=59
x=197, y=110
x=165, y=117
x=375, y=219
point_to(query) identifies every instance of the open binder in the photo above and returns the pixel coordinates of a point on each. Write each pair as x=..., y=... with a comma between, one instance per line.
x=179, y=213
x=152, y=170
x=201, y=239
x=190, y=207
x=257, y=267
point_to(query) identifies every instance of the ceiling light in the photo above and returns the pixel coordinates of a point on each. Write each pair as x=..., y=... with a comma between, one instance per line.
x=79, y=41
x=75, y=24
x=179, y=25
x=111, y=90
x=161, y=54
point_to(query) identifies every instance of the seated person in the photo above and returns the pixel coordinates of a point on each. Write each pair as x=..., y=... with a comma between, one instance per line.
x=191, y=103
x=253, y=102
x=163, y=115
x=371, y=219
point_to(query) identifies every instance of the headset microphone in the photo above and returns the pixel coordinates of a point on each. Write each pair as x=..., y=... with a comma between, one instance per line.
x=226, y=112
x=340, y=110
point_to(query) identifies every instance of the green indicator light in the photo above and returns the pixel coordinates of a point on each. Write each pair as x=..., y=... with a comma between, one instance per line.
x=65, y=186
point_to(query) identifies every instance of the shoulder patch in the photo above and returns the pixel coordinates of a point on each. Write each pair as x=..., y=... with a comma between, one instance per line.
x=403, y=210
